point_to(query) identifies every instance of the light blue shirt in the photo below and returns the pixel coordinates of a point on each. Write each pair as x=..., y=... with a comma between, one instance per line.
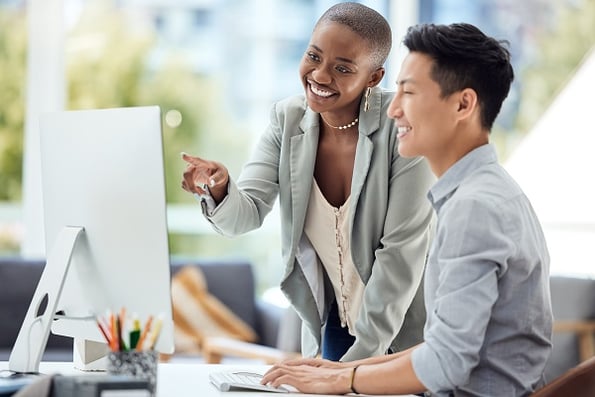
x=489, y=320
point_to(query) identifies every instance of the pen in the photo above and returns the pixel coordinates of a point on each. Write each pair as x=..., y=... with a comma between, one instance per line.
x=156, y=331
x=120, y=321
x=104, y=331
x=122, y=316
x=115, y=345
x=135, y=333
x=143, y=336
x=121, y=345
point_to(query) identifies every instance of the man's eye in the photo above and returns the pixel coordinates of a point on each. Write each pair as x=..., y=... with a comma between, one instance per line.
x=343, y=69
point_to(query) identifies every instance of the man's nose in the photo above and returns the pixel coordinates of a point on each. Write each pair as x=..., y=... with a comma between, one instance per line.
x=394, y=110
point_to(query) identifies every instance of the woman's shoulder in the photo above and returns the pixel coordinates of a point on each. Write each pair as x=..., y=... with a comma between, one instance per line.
x=291, y=104
x=289, y=111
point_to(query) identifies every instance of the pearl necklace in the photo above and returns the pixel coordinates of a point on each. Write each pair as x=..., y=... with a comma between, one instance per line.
x=341, y=127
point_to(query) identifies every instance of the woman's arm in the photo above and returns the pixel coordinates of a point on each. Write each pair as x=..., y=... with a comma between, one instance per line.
x=250, y=199
x=399, y=260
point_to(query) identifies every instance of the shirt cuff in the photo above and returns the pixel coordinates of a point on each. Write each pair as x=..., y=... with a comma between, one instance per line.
x=428, y=370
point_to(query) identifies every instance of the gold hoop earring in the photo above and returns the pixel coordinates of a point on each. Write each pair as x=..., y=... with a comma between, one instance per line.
x=366, y=96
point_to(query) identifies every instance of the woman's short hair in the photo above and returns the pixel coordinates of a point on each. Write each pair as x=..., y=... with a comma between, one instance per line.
x=367, y=23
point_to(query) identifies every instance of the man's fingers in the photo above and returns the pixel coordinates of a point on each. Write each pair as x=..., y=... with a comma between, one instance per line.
x=287, y=379
x=273, y=373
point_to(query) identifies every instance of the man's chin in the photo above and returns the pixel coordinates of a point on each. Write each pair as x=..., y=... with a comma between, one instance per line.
x=405, y=151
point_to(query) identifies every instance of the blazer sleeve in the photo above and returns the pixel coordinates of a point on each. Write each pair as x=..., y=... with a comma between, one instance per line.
x=250, y=199
x=399, y=262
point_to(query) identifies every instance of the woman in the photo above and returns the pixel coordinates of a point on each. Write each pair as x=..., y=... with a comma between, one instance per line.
x=354, y=219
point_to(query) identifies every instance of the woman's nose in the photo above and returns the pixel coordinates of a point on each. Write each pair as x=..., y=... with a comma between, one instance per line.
x=321, y=75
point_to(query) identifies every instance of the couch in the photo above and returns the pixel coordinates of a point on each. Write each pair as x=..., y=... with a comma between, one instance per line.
x=232, y=282
x=573, y=305
x=229, y=280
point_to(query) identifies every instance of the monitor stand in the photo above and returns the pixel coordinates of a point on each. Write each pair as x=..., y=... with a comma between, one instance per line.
x=33, y=336
x=88, y=355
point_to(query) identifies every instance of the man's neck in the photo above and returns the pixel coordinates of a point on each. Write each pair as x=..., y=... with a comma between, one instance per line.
x=457, y=150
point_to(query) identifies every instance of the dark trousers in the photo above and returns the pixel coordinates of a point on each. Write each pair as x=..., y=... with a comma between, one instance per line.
x=336, y=339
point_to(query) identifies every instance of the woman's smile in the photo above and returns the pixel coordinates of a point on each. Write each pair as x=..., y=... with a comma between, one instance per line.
x=320, y=92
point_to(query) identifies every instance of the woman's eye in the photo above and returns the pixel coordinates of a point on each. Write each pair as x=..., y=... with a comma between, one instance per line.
x=312, y=56
x=342, y=69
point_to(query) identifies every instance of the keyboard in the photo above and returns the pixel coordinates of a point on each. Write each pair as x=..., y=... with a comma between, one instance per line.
x=13, y=383
x=235, y=381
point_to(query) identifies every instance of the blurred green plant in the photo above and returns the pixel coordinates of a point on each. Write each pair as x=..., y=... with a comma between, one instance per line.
x=111, y=62
x=12, y=102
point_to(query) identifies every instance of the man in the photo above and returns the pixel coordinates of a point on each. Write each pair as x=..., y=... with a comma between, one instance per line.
x=489, y=322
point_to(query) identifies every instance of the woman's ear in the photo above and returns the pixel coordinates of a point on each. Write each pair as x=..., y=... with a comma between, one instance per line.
x=376, y=77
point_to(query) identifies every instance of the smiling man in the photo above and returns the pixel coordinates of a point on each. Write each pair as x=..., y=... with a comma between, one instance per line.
x=489, y=321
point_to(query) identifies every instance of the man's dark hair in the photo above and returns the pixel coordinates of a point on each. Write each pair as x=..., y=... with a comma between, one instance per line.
x=464, y=57
x=366, y=23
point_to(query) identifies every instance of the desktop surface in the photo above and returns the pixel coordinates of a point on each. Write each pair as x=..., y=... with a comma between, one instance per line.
x=178, y=379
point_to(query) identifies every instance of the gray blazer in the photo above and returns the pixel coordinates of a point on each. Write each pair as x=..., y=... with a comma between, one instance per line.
x=391, y=223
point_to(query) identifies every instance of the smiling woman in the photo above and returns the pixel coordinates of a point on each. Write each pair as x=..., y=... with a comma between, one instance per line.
x=355, y=224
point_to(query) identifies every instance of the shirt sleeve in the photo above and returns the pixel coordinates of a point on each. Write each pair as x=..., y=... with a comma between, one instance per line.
x=470, y=256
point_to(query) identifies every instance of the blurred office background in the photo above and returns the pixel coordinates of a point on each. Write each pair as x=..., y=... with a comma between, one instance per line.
x=216, y=66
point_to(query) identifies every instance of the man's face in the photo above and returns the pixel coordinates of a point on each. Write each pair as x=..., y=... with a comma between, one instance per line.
x=426, y=122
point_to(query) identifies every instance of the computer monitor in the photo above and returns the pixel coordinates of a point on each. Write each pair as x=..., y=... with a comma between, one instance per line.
x=103, y=187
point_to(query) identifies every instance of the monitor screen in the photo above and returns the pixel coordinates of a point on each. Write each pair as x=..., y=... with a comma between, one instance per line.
x=102, y=171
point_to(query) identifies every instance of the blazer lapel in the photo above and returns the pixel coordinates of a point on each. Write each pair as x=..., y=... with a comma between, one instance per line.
x=302, y=160
x=363, y=156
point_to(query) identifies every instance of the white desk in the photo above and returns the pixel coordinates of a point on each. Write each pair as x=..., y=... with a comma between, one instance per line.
x=178, y=379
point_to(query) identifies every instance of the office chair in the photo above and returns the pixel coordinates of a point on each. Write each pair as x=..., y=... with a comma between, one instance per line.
x=576, y=382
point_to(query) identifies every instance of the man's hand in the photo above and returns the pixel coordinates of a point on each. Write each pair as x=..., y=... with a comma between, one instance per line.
x=312, y=379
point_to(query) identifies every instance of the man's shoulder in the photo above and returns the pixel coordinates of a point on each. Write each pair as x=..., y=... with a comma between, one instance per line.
x=490, y=181
x=489, y=193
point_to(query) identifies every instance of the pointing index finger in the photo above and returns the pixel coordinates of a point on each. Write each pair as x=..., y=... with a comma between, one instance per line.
x=190, y=159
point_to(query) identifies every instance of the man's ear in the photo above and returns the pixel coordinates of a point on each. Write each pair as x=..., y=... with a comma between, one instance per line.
x=376, y=77
x=468, y=103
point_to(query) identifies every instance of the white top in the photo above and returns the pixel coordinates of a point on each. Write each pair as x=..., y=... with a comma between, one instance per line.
x=327, y=228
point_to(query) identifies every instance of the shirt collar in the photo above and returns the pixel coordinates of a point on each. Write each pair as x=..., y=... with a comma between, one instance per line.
x=452, y=178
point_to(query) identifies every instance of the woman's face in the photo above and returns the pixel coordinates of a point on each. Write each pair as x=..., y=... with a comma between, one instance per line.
x=336, y=69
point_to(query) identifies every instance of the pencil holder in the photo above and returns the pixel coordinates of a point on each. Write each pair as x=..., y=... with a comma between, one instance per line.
x=139, y=364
